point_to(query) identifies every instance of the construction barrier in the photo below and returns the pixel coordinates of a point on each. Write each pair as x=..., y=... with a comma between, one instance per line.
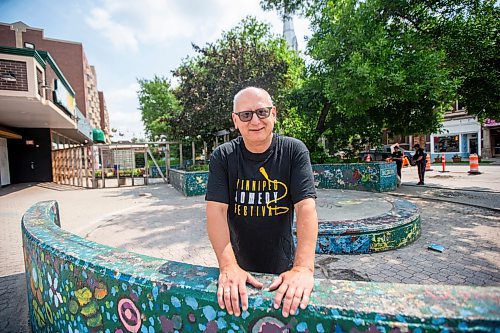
x=474, y=164
x=428, y=163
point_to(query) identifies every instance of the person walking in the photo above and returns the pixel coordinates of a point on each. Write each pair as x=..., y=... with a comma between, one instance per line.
x=419, y=159
x=397, y=156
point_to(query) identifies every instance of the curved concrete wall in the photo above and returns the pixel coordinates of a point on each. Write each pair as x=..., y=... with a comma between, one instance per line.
x=75, y=285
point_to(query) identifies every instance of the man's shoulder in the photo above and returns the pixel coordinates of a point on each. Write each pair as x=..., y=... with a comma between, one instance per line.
x=228, y=147
x=292, y=142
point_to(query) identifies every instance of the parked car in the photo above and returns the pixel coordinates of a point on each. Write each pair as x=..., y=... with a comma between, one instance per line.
x=384, y=153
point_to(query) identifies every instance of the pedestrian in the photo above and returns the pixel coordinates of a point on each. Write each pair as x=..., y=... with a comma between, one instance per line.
x=397, y=156
x=255, y=183
x=419, y=159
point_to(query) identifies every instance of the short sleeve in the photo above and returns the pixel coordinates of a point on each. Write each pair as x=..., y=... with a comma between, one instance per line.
x=302, y=178
x=218, y=179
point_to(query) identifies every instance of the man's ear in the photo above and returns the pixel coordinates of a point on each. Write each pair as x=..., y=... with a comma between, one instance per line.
x=234, y=121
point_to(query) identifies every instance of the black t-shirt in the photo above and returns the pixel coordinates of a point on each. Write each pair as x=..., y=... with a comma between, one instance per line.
x=261, y=190
x=398, y=154
x=418, y=153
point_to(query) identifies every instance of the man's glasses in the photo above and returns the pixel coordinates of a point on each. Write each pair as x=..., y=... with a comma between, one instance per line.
x=261, y=113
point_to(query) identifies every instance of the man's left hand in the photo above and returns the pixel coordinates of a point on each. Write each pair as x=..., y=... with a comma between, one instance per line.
x=294, y=288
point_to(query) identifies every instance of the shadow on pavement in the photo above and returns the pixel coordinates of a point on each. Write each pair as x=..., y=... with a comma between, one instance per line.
x=13, y=304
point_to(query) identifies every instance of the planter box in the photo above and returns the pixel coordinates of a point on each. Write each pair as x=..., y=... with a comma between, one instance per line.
x=456, y=160
x=372, y=176
x=189, y=183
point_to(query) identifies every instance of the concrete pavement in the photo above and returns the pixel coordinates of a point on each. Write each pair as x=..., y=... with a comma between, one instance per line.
x=157, y=221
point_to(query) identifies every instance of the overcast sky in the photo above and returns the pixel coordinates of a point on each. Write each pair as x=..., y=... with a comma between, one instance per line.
x=130, y=39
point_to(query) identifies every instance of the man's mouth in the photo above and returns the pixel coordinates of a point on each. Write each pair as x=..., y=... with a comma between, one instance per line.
x=256, y=129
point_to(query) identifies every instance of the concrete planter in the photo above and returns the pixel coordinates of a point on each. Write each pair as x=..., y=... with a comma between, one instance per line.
x=372, y=176
x=189, y=183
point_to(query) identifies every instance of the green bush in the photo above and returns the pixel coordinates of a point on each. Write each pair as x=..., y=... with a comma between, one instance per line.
x=197, y=167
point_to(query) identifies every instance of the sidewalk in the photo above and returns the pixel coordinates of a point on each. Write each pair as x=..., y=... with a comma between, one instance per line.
x=456, y=185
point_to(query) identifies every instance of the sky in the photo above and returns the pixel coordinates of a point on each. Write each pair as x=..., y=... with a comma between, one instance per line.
x=130, y=39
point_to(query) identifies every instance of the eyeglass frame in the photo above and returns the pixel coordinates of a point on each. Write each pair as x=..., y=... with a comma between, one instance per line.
x=268, y=108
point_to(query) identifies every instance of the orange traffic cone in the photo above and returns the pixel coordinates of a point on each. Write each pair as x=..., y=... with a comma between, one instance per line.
x=428, y=163
x=406, y=162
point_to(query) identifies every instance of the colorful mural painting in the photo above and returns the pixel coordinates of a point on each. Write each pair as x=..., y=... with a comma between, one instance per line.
x=397, y=227
x=373, y=177
x=75, y=285
x=189, y=183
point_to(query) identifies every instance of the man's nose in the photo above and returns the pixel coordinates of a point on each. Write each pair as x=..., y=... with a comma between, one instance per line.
x=255, y=119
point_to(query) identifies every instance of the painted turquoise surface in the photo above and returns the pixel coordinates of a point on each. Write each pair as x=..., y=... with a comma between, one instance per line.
x=189, y=183
x=373, y=177
x=75, y=285
x=398, y=227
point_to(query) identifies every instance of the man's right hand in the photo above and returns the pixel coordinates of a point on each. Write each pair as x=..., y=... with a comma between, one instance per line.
x=232, y=288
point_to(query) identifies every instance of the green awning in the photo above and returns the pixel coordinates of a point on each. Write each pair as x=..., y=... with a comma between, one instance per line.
x=98, y=136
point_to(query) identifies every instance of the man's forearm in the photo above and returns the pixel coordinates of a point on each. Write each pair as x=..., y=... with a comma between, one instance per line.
x=307, y=233
x=218, y=233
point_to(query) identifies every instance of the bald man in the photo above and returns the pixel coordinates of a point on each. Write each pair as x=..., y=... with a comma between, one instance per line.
x=256, y=182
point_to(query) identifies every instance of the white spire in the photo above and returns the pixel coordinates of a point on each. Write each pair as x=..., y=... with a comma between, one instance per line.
x=289, y=33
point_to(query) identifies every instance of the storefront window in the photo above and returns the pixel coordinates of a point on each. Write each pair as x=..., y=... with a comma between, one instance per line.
x=447, y=144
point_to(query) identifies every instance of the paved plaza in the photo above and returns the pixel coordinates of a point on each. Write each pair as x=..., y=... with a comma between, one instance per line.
x=459, y=211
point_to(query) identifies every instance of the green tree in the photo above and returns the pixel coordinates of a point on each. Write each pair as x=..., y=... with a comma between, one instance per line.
x=370, y=72
x=467, y=31
x=247, y=55
x=159, y=107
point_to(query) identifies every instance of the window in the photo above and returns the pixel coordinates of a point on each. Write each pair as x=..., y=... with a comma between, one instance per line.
x=447, y=144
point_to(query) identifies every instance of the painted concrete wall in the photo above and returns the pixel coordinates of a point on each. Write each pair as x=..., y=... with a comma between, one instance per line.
x=396, y=228
x=189, y=183
x=374, y=177
x=75, y=285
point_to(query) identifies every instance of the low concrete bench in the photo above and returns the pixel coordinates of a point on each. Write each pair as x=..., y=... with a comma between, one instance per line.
x=75, y=285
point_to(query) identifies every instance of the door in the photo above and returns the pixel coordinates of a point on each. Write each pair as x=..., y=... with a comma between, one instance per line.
x=4, y=163
x=473, y=145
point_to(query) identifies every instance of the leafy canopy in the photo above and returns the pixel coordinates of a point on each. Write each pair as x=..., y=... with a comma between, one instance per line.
x=159, y=107
x=247, y=55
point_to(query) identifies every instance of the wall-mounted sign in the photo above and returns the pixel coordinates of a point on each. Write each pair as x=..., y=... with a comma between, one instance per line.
x=63, y=97
x=491, y=122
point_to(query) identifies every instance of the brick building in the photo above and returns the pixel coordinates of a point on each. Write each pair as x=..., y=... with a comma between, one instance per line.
x=48, y=101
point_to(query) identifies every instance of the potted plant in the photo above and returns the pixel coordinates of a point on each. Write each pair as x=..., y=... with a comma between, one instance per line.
x=456, y=158
x=437, y=159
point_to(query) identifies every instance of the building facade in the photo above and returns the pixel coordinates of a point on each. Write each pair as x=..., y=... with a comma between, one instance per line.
x=461, y=135
x=48, y=101
x=491, y=138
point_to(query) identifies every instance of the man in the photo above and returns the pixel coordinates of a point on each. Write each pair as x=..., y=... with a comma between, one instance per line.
x=397, y=156
x=420, y=162
x=255, y=182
